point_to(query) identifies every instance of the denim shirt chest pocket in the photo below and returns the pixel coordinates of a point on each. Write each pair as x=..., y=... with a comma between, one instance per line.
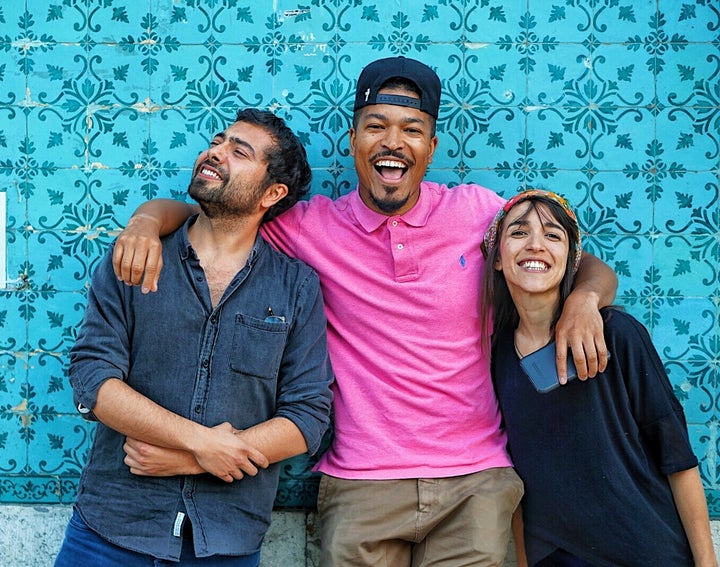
x=258, y=346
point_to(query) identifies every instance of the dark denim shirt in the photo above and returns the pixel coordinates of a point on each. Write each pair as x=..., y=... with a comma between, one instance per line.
x=260, y=353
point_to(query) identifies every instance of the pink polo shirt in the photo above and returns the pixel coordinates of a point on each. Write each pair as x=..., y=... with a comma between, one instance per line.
x=413, y=393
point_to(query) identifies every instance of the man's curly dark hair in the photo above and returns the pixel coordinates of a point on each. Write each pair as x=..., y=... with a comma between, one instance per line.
x=286, y=159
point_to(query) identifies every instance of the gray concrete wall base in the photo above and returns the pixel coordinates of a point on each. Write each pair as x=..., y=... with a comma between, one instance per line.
x=31, y=535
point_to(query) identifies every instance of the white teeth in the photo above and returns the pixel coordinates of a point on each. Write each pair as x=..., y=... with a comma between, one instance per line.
x=390, y=163
x=209, y=173
x=534, y=265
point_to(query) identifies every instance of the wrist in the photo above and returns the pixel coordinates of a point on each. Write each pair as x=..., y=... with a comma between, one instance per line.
x=196, y=439
x=145, y=219
x=586, y=296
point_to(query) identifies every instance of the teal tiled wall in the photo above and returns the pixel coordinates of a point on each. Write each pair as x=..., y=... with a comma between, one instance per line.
x=105, y=103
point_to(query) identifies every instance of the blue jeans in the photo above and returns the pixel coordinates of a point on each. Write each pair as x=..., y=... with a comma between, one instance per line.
x=82, y=546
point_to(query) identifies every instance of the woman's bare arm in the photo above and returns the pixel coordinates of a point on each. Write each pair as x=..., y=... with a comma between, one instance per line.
x=689, y=496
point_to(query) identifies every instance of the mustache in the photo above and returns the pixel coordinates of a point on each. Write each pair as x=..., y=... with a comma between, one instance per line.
x=394, y=154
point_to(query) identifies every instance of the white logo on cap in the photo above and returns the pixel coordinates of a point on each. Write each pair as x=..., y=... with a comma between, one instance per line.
x=367, y=94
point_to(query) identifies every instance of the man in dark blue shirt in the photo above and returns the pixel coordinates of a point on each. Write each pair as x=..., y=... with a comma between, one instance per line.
x=227, y=365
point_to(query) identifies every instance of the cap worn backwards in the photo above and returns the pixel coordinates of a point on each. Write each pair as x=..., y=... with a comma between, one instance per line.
x=379, y=72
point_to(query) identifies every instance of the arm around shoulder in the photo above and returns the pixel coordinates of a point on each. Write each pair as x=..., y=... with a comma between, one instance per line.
x=137, y=257
x=580, y=327
x=596, y=279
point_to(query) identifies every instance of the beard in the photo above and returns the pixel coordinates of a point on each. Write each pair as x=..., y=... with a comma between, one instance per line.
x=227, y=199
x=387, y=205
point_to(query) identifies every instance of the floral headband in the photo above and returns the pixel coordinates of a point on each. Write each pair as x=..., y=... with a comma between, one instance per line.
x=491, y=236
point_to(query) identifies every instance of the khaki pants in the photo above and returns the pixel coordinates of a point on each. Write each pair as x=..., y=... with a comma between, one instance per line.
x=449, y=522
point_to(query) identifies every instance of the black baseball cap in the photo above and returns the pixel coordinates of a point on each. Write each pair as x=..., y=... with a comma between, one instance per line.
x=378, y=72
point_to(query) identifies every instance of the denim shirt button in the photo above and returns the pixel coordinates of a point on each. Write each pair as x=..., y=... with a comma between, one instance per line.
x=205, y=363
x=198, y=408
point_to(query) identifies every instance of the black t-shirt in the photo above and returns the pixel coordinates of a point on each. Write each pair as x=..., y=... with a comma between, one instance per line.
x=595, y=455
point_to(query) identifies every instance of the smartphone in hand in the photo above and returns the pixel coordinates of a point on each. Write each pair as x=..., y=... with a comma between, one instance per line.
x=540, y=367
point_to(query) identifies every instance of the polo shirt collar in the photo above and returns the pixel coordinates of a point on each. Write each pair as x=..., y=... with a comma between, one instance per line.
x=371, y=220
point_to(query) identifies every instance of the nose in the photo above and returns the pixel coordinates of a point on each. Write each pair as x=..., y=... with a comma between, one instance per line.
x=214, y=153
x=536, y=241
x=393, y=138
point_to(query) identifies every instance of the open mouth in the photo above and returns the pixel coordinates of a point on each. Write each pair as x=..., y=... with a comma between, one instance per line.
x=390, y=169
x=534, y=266
x=209, y=172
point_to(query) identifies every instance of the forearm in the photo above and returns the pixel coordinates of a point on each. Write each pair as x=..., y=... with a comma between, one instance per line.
x=690, y=501
x=595, y=280
x=278, y=439
x=128, y=412
x=266, y=443
x=216, y=450
x=169, y=214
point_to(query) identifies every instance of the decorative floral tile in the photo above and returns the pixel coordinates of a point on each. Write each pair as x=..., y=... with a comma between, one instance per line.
x=106, y=104
x=677, y=256
x=686, y=202
x=682, y=328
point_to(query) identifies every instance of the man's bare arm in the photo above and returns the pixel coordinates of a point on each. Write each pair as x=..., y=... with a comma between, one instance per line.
x=137, y=257
x=278, y=439
x=217, y=450
x=581, y=327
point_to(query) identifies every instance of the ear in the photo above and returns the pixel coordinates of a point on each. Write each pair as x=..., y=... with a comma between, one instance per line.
x=276, y=192
x=433, y=146
x=352, y=141
x=498, y=263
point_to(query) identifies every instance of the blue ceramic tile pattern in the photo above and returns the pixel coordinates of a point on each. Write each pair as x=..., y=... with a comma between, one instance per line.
x=105, y=103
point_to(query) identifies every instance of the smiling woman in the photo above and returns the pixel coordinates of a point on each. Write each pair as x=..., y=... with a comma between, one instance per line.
x=614, y=480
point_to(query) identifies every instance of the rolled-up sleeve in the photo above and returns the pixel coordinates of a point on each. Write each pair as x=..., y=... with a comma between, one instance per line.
x=304, y=394
x=102, y=348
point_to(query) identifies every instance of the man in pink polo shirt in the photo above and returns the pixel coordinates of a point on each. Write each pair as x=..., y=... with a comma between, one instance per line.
x=417, y=472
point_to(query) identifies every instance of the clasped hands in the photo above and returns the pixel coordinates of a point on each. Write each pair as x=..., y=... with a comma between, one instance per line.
x=221, y=451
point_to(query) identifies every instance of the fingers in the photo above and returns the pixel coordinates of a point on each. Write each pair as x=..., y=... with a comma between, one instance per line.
x=256, y=458
x=243, y=468
x=581, y=330
x=590, y=357
x=129, y=261
x=134, y=458
x=228, y=456
x=561, y=349
x=583, y=361
x=138, y=259
x=153, y=267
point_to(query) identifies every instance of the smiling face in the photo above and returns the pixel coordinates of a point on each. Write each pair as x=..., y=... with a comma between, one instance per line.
x=533, y=250
x=230, y=177
x=392, y=146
